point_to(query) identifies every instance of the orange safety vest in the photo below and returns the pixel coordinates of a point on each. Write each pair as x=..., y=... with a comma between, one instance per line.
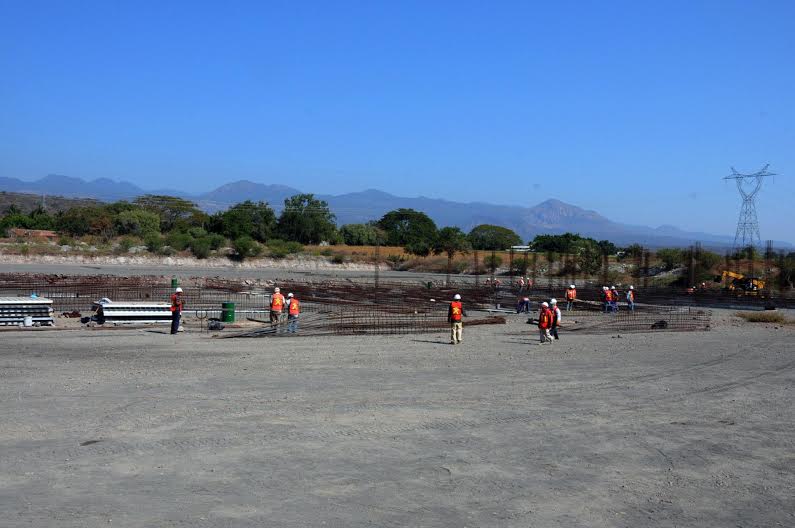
x=631, y=295
x=544, y=319
x=456, y=309
x=277, y=302
x=176, y=303
x=571, y=294
x=294, y=308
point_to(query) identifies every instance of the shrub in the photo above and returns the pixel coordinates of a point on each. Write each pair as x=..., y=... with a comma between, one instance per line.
x=124, y=245
x=338, y=258
x=492, y=261
x=154, y=243
x=197, y=232
x=245, y=246
x=200, y=247
x=137, y=222
x=216, y=241
x=178, y=241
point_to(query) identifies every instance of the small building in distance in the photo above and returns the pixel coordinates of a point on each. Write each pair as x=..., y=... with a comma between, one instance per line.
x=39, y=235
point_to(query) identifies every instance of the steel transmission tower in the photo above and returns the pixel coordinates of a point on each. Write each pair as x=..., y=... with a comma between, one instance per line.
x=748, y=226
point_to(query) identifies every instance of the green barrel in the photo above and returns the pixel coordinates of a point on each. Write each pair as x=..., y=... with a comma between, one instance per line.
x=228, y=312
x=174, y=282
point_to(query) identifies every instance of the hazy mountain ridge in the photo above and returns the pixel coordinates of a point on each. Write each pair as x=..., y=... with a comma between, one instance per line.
x=551, y=216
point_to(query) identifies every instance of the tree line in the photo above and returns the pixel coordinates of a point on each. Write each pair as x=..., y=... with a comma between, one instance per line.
x=167, y=223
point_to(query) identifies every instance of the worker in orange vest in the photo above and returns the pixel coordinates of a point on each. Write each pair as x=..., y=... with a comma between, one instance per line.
x=571, y=294
x=605, y=298
x=176, y=309
x=545, y=323
x=293, y=309
x=613, y=299
x=277, y=306
x=454, y=315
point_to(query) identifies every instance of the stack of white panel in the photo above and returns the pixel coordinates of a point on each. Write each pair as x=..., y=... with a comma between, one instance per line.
x=14, y=310
x=127, y=312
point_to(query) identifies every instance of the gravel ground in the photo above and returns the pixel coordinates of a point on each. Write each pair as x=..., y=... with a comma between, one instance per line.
x=142, y=429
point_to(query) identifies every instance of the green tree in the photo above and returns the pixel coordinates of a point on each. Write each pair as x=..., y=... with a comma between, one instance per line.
x=137, y=222
x=451, y=240
x=361, y=234
x=307, y=220
x=493, y=237
x=90, y=220
x=565, y=243
x=411, y=229
x=173, y=212
x=255, y=219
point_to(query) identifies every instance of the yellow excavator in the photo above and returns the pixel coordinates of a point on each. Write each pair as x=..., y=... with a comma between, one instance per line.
x=737, y=282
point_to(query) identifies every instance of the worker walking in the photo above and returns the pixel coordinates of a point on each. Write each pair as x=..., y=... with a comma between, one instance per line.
x=613, y=299
x=571, y=295
x=293, y=310
x=631, y=298
x=277, y=306
x=553, y=307
x=454, y=315
x=176, y=309
x=545, y=323
x=605, y=299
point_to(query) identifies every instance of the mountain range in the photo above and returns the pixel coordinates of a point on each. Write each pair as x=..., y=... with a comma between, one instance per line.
x=550, y=216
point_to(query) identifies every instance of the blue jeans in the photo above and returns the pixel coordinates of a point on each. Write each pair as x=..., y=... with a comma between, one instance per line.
x=569, y=305
x=631, y=306
x=292, y=323
x=175, y=317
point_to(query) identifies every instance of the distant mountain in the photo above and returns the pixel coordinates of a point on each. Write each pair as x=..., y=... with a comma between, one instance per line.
x=66, y=186
x=551, y=216
x=240, y=191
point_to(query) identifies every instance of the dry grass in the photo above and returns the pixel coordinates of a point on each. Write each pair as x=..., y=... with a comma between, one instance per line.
x=764, y=317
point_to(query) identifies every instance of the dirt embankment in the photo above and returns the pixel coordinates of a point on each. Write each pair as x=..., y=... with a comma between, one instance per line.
x=289, y=263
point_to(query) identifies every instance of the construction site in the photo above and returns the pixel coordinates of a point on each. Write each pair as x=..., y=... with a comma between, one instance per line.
x=676, y=413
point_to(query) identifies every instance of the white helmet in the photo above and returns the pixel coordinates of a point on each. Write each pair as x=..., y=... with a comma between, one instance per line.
x=553, y=301
x=631, y=287
x=456, y=297
x=289, y=295
x=276, y=290
x=545, y=304
x=571, y=286
x=178, y=290
x=605, y=288
x=612, y=287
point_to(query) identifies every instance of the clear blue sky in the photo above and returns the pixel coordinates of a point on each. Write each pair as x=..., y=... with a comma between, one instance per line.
x=634, y=109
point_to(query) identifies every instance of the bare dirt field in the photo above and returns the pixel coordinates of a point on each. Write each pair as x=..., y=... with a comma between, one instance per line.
x=138, y=428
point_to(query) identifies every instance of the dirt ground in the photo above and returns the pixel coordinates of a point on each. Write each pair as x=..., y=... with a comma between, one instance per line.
x=138, y=428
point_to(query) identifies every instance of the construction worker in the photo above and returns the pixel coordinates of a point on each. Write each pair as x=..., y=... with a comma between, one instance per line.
x=523, y=306
x=277, y=306
x=571, y=294
x=293, y=310
x=544, y=323
x=176, y=309
x=605, y=298
x=631, y=298
x=521, y=284
x=613, y=299
x=553, y=307
x=454, y=315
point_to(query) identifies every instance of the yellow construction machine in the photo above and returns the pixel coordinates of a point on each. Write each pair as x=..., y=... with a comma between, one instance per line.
x=738, y=282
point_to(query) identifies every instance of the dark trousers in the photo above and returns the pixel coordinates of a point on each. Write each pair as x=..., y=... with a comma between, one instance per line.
x=175, y=317
x=554, y=331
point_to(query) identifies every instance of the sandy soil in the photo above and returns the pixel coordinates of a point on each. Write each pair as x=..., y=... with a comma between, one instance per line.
x=138, y=428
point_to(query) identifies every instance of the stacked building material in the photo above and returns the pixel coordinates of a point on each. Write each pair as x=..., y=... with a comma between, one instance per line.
x=130, y=312
x=14, y=311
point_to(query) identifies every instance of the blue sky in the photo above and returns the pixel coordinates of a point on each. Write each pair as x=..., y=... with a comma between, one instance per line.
x=634, y=109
